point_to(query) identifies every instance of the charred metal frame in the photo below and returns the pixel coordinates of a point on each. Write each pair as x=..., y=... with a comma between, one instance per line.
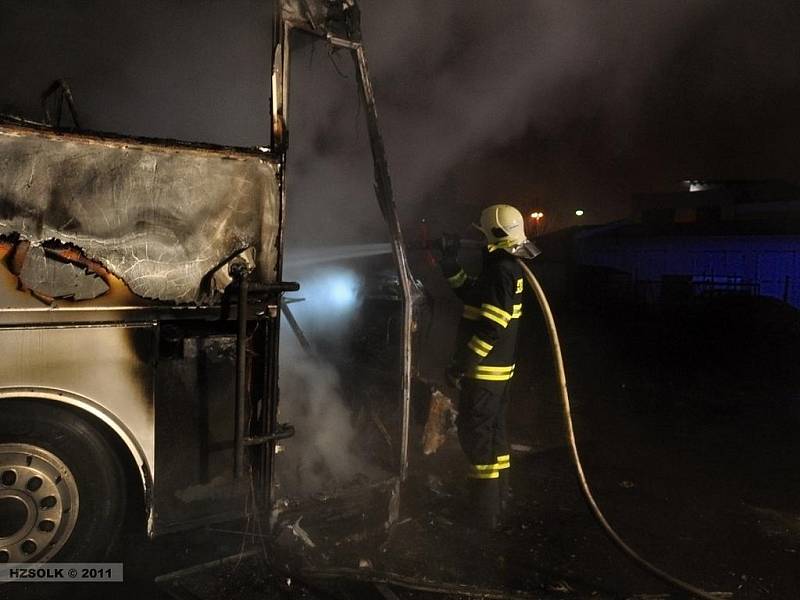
x=383, y=184
x=60, y=87
x=240, y=415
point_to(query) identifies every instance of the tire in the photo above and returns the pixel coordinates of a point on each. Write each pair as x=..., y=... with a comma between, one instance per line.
x=77, y=507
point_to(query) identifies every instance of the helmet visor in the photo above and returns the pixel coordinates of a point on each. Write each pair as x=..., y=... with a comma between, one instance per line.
x=526, y=249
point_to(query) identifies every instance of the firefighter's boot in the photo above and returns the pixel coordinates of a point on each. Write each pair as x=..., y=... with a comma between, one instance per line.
x=485, y=502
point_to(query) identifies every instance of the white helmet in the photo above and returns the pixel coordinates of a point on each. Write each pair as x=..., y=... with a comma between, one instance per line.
x=504, y=228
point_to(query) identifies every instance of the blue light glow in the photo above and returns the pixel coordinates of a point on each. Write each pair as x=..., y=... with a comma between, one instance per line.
x=341, y=289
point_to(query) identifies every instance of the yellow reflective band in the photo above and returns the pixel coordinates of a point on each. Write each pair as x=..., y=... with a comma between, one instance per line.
x=473, y=313
x=502, y=465
x=482, y=467
x=517, y=311
x=504, y=458
x=497, y=320
x=496, y=310
x=479, y=347
x=498, y=315
x=519, y=286
x=476, y=349
x=484, y=377
x=458, y=279
x=491, y=369
x=483, y=472
x=491, y=373
x=487, y=475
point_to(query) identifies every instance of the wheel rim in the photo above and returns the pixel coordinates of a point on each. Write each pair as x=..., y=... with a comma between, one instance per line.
x=38, y=503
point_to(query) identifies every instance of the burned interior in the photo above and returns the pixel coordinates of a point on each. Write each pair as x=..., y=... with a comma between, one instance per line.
x=159, y=218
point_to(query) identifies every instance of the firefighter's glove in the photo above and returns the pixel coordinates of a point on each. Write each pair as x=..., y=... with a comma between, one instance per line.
x=454, y=374
x=450, y=244
x=446, y=249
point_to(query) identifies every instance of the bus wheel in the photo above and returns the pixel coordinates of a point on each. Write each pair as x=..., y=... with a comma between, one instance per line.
x=62, y=488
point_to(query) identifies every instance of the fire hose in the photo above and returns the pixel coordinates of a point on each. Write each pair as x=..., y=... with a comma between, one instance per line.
x=584, y=485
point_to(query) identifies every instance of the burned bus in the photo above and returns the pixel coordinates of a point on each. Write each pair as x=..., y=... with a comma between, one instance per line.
x=140, y=306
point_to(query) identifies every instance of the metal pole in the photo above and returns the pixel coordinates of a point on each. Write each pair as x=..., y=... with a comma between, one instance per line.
x=296, y=329
x=271, y=336
x=383, y=191
x=241, y=374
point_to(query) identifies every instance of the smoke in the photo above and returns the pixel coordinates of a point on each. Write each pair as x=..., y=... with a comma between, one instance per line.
x=324, y=453
x=457, y=81
x=549, y=104
x=327, y=451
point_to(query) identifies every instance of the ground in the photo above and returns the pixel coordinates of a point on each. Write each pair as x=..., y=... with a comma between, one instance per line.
x=686, y=422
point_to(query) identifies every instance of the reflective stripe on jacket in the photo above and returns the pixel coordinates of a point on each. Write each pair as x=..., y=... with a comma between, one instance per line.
x=487, y=333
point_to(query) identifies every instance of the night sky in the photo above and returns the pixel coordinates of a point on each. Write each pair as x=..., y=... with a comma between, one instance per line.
x=553, y=105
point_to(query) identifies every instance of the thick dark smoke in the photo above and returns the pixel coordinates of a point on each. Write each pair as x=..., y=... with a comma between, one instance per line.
x=564, y=105
x=548, y=104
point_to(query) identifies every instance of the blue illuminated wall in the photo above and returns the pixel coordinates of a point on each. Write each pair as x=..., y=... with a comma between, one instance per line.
x=771, y=262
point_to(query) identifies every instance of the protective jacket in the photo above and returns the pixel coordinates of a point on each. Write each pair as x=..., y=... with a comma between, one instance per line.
x=487, y=335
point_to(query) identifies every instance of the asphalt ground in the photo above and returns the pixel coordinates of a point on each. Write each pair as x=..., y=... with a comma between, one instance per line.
x=686, y=420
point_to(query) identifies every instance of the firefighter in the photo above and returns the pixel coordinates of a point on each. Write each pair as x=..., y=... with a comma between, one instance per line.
x=484, y=359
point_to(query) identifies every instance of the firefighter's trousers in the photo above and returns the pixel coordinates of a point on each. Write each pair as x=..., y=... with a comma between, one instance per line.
x=482, y=431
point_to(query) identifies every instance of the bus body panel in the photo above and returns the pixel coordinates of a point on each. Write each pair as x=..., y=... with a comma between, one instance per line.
x=110, y=249
x=105, y=370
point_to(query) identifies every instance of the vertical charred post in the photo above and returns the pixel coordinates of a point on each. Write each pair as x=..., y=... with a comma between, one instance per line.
x=240, y=273
x=264, y=429
x=270, y=407
x=383, y=191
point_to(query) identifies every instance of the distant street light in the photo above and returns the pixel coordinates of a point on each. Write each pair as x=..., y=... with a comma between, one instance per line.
x=537, y=217
x=579, y=213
